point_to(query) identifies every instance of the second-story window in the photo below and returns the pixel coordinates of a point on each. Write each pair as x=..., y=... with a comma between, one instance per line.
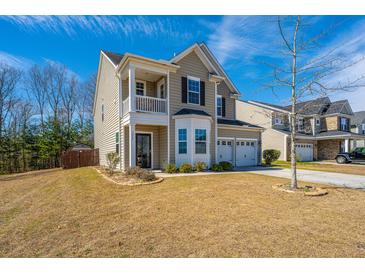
x=193, y=90
x=278, y=120
x=219, y=105
x=344, y=124
x=318, y=122
x=140, y=88
x=363, y=129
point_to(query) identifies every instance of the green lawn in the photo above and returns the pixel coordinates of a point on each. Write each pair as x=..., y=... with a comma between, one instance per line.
x=76, y=213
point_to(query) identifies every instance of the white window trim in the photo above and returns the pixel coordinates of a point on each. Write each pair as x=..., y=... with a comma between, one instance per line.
x=159, y=84
x=117, y=143
x=206, y=141
x=345, y=124
x=300, y=123
x=178, y=142
x=144, y=87
x=363, y=129
x=194, y=79
x=219, y=96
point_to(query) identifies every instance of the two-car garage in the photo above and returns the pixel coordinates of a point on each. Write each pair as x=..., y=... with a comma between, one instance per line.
x=238, y=151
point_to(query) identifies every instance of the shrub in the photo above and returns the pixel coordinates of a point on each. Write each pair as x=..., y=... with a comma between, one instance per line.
x=200, y=166
x=226, y=165
x=140, y=173
x=217, y=167
x=186, y=168
x=271, y=155
x=170, y=168
x=112, y=159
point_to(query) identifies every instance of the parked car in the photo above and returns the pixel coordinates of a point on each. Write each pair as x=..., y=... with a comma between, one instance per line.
x=357, y=155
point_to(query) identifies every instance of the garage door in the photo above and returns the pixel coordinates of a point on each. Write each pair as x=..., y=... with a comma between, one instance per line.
x=304, y=152
x=225, y=150
x=246, y=153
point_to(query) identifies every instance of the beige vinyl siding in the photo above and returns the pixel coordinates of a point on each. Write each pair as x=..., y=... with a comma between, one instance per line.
x=151, y=88
x=230, y=102
x=191, y=65
x=253, y=114
x=107, y=94
x=126, y=146
x=272, y=139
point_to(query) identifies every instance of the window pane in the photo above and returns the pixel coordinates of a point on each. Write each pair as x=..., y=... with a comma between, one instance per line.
x=182, y=147
x=200, y=135
x=194, y=85
x=139, y=88
x=117, y=137
x=193, y=97
x=200, y=148
x=117, y=148
x=182, y=134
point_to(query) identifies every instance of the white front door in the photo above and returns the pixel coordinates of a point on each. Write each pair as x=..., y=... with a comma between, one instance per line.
x=225, y=150
x=304, y=152
x=246, y=152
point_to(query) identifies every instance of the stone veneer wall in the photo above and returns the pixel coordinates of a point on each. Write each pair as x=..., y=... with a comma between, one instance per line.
x=328, y=149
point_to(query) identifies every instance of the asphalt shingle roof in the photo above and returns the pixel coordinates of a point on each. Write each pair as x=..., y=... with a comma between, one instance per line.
x=359, y=118
x=189, y=111
x=235, y=123
x=114, y=57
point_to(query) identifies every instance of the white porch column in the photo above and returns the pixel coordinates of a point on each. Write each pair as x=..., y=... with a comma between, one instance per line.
x=347, y=145
x=132, y=145
x=132, y=87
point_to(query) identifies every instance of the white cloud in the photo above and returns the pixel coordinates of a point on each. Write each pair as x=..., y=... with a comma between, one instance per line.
x=15, y=61
x=100, y=25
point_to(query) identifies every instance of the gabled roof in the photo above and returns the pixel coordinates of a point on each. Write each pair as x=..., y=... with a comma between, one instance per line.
x=359, y=118
x=189, y=111
x=320, y=106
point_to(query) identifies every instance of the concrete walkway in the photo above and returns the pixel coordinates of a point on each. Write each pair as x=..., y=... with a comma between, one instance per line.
x=311, y=176
x=331, y=178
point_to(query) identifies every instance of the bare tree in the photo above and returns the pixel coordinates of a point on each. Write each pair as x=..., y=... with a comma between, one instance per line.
x=305, y=75
x=69, y=98
x=9, y=79
x=37, y=88
x=86, y=99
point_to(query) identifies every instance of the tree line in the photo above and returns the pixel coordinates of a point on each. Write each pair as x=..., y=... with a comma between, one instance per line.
x=43, y=111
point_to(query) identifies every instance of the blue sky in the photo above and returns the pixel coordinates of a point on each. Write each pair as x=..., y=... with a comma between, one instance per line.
x=240, y=43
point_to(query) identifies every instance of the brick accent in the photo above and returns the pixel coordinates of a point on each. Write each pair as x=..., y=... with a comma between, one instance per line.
x=328, y=149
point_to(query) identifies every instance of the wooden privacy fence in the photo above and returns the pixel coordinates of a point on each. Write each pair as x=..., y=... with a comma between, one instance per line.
x=80, y=158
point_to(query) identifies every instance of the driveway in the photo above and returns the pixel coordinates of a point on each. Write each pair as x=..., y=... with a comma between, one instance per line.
x=331, y=178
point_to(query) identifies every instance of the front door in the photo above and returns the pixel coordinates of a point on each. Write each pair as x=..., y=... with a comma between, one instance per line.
x=143, y=150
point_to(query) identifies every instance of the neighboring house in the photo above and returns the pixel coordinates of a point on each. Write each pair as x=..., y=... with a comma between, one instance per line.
x=153, y=112
x=358, y=126
x=323, y=127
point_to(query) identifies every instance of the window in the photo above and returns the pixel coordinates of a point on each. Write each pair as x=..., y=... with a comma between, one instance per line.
x=219, y=105
x=117, y=142
x=102, y=112
x=193, y=90
x=140, y=88
x=318, y=122
x=161, y=89
x=344, y=124
x=182, y=141
x=278, y=120
x=201, y=141
x=300, y=122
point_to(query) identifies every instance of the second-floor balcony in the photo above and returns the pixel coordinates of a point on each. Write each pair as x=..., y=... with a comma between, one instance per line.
x=146, y=104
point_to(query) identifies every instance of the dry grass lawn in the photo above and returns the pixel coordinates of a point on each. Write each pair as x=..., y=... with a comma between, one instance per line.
x=76, y=213
x=347, y=169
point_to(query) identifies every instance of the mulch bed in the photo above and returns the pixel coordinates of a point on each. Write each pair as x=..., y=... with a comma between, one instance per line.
x=306, y=190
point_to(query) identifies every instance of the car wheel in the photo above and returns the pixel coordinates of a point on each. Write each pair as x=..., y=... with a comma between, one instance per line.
x=341, y=160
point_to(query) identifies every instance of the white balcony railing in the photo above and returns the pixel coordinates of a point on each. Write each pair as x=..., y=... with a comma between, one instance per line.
x=150, y=104
x=146, y=104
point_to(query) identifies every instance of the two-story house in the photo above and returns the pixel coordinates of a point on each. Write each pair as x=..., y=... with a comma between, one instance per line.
x=358, y=126
x=323, y=127
x=153, y=112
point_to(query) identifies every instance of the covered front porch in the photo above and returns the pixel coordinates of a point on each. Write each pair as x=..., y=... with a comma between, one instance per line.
x=144, y=145
x=329, y=146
